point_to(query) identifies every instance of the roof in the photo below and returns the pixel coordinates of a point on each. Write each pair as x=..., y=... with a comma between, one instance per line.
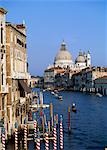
x=80, y=58
x=3, y=10
x=16, y=27
x=54, y=68
x=63, y=53
x=104, y=77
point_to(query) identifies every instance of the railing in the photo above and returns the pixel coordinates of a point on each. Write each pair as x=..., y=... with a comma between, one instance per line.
x=20, y=75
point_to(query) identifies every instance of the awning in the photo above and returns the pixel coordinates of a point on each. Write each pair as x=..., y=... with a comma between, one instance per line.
x=24, y=86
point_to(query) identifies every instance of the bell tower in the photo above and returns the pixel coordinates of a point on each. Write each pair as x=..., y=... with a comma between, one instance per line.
x=88, y=59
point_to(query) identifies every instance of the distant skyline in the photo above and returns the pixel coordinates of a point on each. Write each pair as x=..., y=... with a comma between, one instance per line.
x=82, y=24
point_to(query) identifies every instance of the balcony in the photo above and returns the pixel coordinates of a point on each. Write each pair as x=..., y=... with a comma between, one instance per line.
x=22, y=100
x=4, y=89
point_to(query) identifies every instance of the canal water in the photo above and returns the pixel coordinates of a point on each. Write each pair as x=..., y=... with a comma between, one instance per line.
x=88, y=125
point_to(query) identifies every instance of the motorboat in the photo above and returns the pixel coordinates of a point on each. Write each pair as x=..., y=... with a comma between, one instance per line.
x=52, y=93
x=98, y=94
x=60, y=97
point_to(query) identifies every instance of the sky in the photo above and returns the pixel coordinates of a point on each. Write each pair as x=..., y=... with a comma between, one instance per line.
x=82, y=24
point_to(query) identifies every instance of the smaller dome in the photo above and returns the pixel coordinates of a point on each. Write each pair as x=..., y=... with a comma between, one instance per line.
x=80, y=58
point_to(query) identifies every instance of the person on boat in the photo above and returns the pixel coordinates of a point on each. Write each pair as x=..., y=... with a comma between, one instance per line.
x=74, y=107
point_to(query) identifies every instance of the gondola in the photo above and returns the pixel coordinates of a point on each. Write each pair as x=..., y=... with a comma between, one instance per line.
x=74, y=108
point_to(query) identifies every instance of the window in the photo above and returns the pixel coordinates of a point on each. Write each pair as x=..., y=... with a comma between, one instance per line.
x=25, y=46
x=1, y=35
x=19, y=42
x=1, y=56
x=2, y=73
x=3, y=103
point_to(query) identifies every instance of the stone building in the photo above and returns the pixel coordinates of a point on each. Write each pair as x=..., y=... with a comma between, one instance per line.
x=49, y=76
x=3, y=84
x=36, y=81
x=17, y=75
x=84, y=80
x=100, y=85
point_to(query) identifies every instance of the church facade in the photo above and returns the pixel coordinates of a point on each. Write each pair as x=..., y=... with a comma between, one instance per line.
x=64, y=61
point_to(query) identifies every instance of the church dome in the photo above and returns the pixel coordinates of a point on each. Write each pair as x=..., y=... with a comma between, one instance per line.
x=63, y=54
x=80, y=58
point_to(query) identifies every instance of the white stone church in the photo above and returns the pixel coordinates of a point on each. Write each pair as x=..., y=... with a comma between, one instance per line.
x=64, y=59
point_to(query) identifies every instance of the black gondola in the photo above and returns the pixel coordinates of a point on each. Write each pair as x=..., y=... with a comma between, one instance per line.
x=74, y=108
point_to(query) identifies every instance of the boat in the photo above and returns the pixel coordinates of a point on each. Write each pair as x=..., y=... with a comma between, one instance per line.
x=98, y=94
x=52, y=93
x=60, y=97
x=74, y=107
x=39, y=106
x=56, y=95
x=69, y=130
x=56, y=91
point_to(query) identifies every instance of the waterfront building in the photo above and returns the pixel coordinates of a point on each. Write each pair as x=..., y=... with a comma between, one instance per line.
x=17, y=75
x=36, y=81
x=49, y=76
x=100, y=85
x=84, y=80
x=3, y=84
x=64, y=61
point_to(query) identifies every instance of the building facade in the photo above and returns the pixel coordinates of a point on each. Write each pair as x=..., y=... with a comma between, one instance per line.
x=36, y=81
x=3, y=84
x=85, y=80
x=50, y=76
x=17, y=75
x=101, y=85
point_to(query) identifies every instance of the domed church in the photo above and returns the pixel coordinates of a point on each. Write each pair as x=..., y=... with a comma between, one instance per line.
x=63, y=64
x=63, y=58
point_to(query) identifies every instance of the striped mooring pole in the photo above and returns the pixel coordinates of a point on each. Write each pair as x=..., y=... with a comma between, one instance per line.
x=25, y=137
x=38, y=141
x=61, y=133
x=3, y=139
x=55, y=137
x=35, y=126
x=16, y=138
x=46, y=139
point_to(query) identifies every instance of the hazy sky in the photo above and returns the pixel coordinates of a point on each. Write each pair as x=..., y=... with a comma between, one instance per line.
x=82, y=24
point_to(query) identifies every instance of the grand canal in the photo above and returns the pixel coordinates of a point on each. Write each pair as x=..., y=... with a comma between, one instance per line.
x=88, y=125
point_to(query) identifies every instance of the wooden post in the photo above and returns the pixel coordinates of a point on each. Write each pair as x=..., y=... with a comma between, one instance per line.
x=51, y=113
x=38, y=141
x=46, y=140
x=55, y=137
x=49, y=127
x=43, y=124
x=25, y=137
x=69, y=119
x=35, y=126
x=61, y=133
x=3, y=139
x=16, y=138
